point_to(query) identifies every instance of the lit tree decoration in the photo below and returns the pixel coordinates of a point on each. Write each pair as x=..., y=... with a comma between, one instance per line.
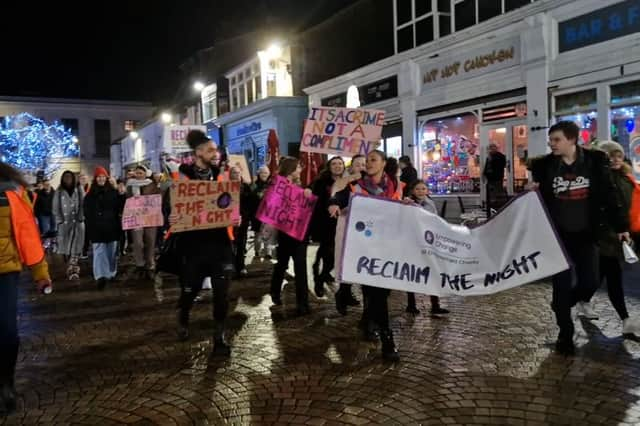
x=31, y=145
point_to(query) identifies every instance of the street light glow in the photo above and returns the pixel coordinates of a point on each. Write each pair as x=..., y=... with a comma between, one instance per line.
x=198, y=86
x=134, y=135
x=166, y=117
x=274, y=51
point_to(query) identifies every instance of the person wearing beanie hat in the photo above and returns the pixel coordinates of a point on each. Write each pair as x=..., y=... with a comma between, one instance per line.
x=611, y=255
x=102, y=207
x=144, y=239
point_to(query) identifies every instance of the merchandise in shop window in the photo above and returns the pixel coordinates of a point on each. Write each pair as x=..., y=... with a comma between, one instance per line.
x=450, y=155
x=588, y=124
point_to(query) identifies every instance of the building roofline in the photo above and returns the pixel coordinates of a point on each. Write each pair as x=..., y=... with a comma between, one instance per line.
x=47, y=100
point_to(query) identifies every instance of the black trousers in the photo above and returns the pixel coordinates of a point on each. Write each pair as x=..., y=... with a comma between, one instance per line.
x=215, y=262
x=611, y=271
x=289, y=247
x=9, y=340
x=376, y=307
x=326, y=250
x=584, y=273
x=240, y=234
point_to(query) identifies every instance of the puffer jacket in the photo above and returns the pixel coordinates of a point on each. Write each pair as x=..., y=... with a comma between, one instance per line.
x=9, y=256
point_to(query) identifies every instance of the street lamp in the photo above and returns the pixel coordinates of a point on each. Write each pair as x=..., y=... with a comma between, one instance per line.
x=274, y=51
x=166, y=117
x=198, y=86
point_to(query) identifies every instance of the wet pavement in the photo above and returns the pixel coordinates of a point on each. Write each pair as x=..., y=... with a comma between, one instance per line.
x=112, y=357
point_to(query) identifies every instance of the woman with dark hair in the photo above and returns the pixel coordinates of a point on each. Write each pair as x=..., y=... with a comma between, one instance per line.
x=102, y=208
x=69, y=214
x=375, y=315
x=18, y=248
x=323, y=227
x=409, y=173
x=289, y=247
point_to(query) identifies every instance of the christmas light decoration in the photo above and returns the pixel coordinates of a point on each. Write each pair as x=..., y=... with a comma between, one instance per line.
x=31, y=145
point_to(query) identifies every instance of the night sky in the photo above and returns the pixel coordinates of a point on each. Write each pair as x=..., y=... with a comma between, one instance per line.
x=128, y=50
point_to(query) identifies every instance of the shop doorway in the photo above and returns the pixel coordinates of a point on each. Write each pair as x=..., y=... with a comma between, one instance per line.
x=505, y=153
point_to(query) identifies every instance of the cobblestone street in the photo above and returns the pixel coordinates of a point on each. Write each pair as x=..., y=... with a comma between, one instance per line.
x=112, y=357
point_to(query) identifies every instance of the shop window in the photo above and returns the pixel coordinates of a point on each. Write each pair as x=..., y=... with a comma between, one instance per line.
x=465, y=14
x=71, y=124
x=424, y=31
x=488, y=9
x=445, y=25
x=403, y=8
x=422, y=7
x=102, y=134
x=588, y=124
x=393, y=147
x=444, y=6
x=625, y=92
x=450, y=154
x=575, y=102
x=510, y=5
x=625, y=126
x=405, y=38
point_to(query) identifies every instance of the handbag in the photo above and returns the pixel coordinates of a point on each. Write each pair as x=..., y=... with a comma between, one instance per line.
x=170, y=259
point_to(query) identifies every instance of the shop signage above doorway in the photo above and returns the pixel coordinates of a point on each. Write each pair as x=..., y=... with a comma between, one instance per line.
x=461, y=67
x=601, y=25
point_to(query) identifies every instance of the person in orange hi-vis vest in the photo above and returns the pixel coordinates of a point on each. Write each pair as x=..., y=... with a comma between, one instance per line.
x=205, y=253
x=375, y=315
x=20, y=246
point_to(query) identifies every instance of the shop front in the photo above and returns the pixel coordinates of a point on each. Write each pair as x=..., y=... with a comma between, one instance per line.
x=246, y=131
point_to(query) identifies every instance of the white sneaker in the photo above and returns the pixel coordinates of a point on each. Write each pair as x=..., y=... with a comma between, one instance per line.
x=585, y=309
x=630, y=326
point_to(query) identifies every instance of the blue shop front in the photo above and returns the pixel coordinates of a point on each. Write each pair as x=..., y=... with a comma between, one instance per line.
x=246, y=130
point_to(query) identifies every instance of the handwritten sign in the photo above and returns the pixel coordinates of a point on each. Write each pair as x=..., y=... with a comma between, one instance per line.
x=286, y=208
x=240, y=161
x=175, y=138
x=402, y=247
x=203, y=204
x=342, y=131
x=142, y=211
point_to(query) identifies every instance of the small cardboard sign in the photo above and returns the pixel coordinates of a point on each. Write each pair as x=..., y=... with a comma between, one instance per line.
x=203, y=204
x=236, y=160
x=142, y=211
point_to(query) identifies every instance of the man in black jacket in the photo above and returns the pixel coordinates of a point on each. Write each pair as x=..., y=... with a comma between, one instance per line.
x=576, y=187
x=43, y=209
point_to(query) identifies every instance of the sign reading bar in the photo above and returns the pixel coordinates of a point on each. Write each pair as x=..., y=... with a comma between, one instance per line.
x=175, y=138
x=601, y=25
x=142, y=211
x=461, y=67
x=286, y=208
x=203, y=204
x=391, y=245
x=342, y=131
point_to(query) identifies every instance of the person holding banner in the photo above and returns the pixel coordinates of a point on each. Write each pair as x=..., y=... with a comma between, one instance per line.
x=289, y=247
x=206, y=252
x=144, y=239
x=576, y=186
x=323, y=227
x=102, y=208
x=375, y=315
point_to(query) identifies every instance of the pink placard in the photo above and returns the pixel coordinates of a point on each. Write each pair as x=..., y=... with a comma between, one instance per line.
x=143, y=211
x=286, y=208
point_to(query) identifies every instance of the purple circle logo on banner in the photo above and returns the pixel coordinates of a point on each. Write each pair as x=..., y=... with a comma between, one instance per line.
x=224, y=200
x=360, y=226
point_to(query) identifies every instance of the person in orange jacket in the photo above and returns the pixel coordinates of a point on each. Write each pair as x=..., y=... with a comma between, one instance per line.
x=20, y=246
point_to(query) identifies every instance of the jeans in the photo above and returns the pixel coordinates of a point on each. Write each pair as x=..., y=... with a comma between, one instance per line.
x=289, y=247
x=105, y=261
x=583, y=257
x=9, y=340
x=47, y=224
x=144, y=247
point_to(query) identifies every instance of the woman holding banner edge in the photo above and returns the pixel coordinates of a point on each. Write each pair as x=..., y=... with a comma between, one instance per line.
x=375, y=315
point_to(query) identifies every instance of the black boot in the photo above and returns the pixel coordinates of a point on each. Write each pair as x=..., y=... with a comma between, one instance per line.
x=220, y=347
x=411, y=304
x=349, y=298
x=318, y=286
x=101, y=283
x=389, y=350
x=565, y=345
x=341, y=301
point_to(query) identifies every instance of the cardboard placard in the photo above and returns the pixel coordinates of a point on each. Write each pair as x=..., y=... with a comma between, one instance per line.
x=237, y=160
x=203, y=204
x=142, y=211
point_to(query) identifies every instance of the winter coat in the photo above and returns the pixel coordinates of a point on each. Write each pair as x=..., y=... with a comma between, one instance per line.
x=102, y=209
x=44, y=203
x=323, y=226
x=245, y=204
x=604, y=205
x=9, y=256
x=69, y=214
x=608, y=241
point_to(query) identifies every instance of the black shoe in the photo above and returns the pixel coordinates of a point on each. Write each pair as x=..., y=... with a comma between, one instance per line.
x=327, y=278
x=389, y=350
x=565, y=346
x=439, y=311
x=318, y=288
x=303, y=310
x=7, y=399
x=101, y=283
x=350, y=299
x=276, y=299
x=369, y=332
x=341, y=303
x=220, y=348
x=413, y=310
x=316, y=271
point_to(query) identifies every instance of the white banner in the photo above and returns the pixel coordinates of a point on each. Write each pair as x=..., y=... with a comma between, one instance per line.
x=402, y=247
x=175, y=138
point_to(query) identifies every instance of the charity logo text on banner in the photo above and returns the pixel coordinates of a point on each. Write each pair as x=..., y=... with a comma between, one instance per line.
x=342, y=131
x=286, y=208
x=402, y=247
x=142, y=211
x=203, y=204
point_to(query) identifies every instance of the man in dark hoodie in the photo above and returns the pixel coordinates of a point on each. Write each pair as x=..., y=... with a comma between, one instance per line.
x=577, y=189
x=205, y=253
